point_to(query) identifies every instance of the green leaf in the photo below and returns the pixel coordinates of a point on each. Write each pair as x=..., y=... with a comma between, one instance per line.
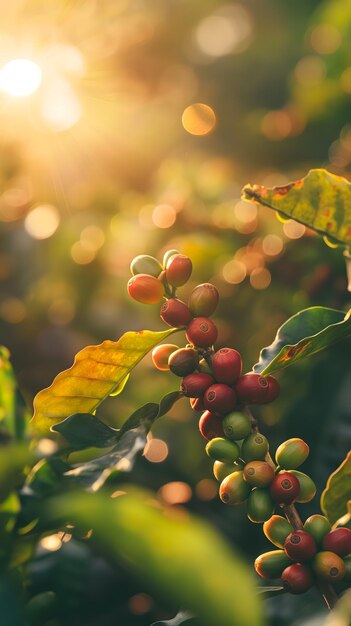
x=13, y=411
x=13, y=460
x=302, y=335
x=182, y=617
x=336, y=495
x=182, y=560
x=97, y=372
x=320, y=200
x=129, y=441
x=84, y=430
x=270, y=592
x=341, y=613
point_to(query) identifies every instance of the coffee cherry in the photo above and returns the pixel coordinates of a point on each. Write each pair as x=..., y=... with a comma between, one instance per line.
x=168, y=255
x=307, y=487
x=254, y=447
x=272, y=564
x=175, y=312
x=292, y=453
x=276, y=529
x=258, y=473
x=183, y=361
x=338, y=541
x=236, y=426
x=226, y=365
x=145, y=264
x=273, y=389
x=160, y=355
x=285, y=488
x=210, y=426
x=195, y=385
x=221, y=470
x=300, y=546
x=145, y=289
x=252, y=388
x=220, y=399
x=260, y=505
x=317, y=526
x=197, y=404
x=329, y=566
x=233, y=489
x=178, y=270
x=203, y=300
x=201, y=332
x=297, y=578
x=222, y=450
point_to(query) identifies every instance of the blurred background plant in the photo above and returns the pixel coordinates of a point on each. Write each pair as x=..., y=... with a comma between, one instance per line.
x=130, y=127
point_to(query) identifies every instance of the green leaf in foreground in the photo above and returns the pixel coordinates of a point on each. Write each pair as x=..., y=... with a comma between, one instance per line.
x=320, y=200
x=336, y=495
x=183, y=561
x=97, y=372
x=302, y=335
x=182, y=617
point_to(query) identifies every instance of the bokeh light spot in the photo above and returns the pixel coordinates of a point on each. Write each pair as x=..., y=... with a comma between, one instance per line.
x=175, y=492
x=325, y=39
x=164, y=216
x=234, y=272
x=260, y=278
x=199, y=119
x=42, y=221
x=156, y=450
x=140, y=604
x=294, y=230
x=206, y=489
x=51, y=542
x=272, y=245
x=20, y=77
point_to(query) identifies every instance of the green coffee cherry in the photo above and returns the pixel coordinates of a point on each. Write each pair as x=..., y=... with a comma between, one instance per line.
x=254, y=448
x=145, y=264
x=329, y=566
x=234, y=489
x=272, y=564
x=292, y=453
x=168, y=255
x=258, y=473
x=317, y=526
x=276, y=529
x=260, y=505
x=236, y=426
x=307, y=487
x=221, y=470
x=222, y=450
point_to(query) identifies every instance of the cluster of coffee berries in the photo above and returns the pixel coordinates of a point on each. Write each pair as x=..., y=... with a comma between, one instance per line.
x=313, y=554
x=151, y=280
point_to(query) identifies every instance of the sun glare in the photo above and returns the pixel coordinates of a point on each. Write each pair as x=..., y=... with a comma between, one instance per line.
x=20, y=77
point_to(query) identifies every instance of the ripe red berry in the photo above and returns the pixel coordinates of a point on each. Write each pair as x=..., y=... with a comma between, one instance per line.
x=297, y=578
x=300, y=546
x=175, y=312
x=252, y=388
x=197, y=404
x=195, y=385
x=285, y=488
x=220, y=399
x=178, y=270
x=226, y=365
x=183, y=361
x=338, y=541
x=201, y=332
x=203, y=300
x=145, y=289
x=160, y=356
x=210, y=426
x=273, y=389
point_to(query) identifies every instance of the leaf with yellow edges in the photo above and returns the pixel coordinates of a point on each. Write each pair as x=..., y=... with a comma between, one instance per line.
x=97, y=372
x=320, y=200
x=337, y=494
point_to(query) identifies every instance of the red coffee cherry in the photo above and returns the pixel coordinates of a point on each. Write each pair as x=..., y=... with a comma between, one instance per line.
x=220, y=399
x=329, y=566
x=183, y=361
x=226, y=365
x=160, y=355
x=175, y=312
x=285, y=488
x=300, y=546
x=197, y=404
x=178, y=270
x=273, y=389
x=297, y=578
x=338, y=541
x=203, y=300
x=210, y=426
x=252, y=388
x=258, y=473
x=145, y=289
x=201, y=332
x=195, y=385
